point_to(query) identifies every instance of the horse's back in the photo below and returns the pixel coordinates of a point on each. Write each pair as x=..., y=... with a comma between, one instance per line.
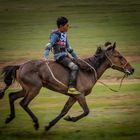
x=45, y=69
x=49, y=73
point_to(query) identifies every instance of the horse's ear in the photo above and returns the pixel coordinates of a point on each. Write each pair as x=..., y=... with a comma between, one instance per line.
x=99, y=50
x=114, y=46
x=108, y=43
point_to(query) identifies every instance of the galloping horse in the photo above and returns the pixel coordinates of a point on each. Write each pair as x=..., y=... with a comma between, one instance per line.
x=35, y=74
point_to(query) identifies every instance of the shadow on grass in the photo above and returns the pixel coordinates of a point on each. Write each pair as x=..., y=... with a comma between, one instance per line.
x=74, y=134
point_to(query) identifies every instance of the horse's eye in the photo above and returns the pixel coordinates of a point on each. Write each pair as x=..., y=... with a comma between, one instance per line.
x=120, y=57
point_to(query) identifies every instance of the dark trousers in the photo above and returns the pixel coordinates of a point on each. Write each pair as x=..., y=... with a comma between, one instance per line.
x=67, y=62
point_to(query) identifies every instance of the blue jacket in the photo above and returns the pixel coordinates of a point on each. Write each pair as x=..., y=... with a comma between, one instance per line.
x=57, y=37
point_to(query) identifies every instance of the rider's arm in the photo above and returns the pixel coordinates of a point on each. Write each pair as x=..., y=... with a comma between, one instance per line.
x=48, y=46
x=70, y=50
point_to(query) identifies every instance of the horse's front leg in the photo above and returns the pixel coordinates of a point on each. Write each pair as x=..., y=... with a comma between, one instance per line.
x=82, y=101
x=66, y=108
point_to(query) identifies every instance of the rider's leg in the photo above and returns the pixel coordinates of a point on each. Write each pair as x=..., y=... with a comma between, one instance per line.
x=66, y=61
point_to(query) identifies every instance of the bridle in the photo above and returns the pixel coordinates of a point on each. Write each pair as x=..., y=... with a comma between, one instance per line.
x=112, y=65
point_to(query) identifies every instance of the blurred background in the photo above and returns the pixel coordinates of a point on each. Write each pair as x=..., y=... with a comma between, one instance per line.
x=25, y=27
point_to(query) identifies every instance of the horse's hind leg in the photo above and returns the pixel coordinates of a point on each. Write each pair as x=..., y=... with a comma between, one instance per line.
x=12, y=97
x=25, y=102
x=3, y=91
x=66, y=108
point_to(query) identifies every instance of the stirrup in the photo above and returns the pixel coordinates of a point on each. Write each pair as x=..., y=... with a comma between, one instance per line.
x=73, y=91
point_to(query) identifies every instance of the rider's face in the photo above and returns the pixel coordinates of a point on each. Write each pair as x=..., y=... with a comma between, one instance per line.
x=64, y=28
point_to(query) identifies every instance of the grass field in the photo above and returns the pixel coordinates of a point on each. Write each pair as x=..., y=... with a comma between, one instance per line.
x=113, y=116
x=25, y=26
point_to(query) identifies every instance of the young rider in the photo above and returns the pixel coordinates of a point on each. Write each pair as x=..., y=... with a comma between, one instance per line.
x=60, y=46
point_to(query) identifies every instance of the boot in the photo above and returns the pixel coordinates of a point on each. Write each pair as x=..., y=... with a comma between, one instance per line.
x=73, y=91
x=72, y=83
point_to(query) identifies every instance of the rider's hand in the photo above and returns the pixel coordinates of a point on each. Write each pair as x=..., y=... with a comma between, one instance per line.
x=45, y=59
x=77, y=58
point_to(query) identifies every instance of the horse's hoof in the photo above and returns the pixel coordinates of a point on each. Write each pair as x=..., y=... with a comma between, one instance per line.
x=9, y=119
x=36, y=126
x=72, y=119
x=68, y=118
x=47, y=128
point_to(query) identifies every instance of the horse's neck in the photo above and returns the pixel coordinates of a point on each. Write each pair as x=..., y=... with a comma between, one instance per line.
x=101, y=69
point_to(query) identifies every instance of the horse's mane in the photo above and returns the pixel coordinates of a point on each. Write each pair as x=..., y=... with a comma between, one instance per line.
x=99, y=57
x=95, y=61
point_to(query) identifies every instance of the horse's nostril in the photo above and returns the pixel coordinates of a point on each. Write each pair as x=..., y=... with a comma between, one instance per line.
x=133, y=70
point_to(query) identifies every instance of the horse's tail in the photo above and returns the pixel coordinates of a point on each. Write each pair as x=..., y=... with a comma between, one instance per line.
x=9, y=75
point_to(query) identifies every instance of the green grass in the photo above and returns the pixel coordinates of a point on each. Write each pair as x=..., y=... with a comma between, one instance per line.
x=113, y=116
x=25, y=26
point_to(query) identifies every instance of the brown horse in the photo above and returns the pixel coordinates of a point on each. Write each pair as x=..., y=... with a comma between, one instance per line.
x=35, y=74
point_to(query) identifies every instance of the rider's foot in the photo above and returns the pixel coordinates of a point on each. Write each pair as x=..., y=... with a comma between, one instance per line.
x=73, y=91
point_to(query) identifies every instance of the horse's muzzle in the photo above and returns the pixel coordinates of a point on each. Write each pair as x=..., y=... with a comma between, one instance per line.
x=129, y=72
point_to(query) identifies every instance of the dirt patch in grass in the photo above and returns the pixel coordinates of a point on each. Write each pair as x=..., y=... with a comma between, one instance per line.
x=133, y=58
x=112, y=81
x=13, y=62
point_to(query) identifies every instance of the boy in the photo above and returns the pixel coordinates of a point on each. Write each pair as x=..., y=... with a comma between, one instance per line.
x=59, y=43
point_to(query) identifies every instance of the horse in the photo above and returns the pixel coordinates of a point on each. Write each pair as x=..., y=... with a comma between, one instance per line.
x=35, y=74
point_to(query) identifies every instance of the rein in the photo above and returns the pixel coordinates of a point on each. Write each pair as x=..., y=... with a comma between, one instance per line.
x=112, y=88
x=47, y=63
x=95, y=73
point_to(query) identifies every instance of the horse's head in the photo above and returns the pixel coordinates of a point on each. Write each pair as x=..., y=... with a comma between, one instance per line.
x=115, y=59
